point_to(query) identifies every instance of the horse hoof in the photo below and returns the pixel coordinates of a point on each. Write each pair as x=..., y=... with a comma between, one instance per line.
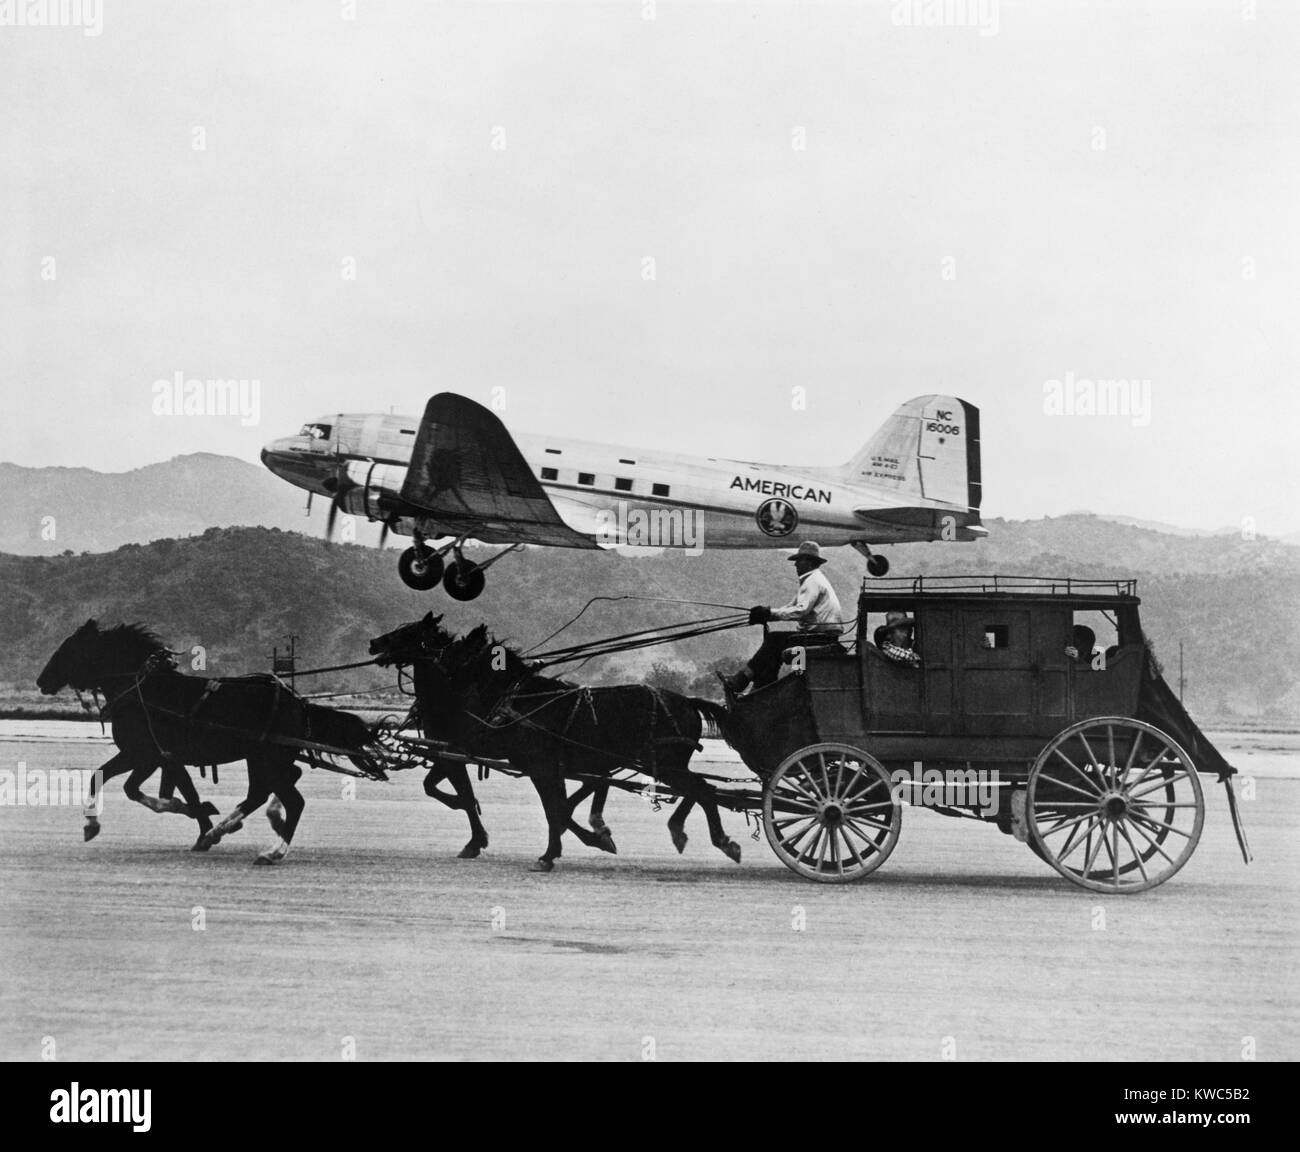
x=90, y=831
x=201, y=845
x=469, y=852
x=210, y=809
x=605, y=842
x=267, y=858
x=542, y=865
x=731, y=850
x=679, y=840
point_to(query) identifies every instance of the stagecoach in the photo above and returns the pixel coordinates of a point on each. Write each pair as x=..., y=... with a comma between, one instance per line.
x=1088, y=757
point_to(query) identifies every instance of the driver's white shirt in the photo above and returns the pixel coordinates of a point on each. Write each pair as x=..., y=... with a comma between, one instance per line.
x=815, y=605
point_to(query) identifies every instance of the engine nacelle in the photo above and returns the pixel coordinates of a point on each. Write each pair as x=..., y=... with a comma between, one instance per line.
x=363, y=486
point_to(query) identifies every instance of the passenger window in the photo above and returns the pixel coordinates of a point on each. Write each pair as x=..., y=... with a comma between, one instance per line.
x=586, y=478
x=550, y=474
x=659, y=489
x=1093, y=636
x=997, y=636
x=622, y=484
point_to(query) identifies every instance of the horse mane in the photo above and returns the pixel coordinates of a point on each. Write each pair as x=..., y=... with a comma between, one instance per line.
x=138, y=639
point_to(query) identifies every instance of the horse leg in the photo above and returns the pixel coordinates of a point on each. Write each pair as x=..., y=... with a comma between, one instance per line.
x=717, y=834
x=600, y=836
x=174, y=775
x=677, y=823
x=458, y=774
x=95, y=801
x=550, y=789
x=258, y=791
x=284, y=816
x=435, y=775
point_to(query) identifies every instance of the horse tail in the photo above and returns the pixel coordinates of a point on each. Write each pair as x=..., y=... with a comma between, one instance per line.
x=715, y=718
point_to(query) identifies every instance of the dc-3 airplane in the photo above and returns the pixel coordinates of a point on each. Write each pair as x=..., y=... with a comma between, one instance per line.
x=457, y=474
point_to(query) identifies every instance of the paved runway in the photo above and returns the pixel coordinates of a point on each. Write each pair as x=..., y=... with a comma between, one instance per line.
x=372, y=938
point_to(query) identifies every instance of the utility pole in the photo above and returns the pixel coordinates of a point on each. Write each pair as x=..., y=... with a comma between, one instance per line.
x=286, y=665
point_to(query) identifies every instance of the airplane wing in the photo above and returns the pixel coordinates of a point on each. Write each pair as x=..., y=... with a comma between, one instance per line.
x=467, y=473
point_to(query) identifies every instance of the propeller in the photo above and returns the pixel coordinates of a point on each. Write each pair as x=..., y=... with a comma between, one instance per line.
x=338, y=486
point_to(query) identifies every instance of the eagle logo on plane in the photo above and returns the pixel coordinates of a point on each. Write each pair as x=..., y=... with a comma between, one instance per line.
x=777, y=517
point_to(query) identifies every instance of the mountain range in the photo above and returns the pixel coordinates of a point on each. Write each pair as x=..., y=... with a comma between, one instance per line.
x=156, y=545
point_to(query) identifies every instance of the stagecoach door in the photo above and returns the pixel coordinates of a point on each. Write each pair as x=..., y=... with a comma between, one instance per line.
x=1014, y=669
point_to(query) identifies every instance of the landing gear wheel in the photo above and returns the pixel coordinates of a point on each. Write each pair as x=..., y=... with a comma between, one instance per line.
x=1114, y=805
x=830, y=814
x=463, y=580
x=420, y=574
x=877, y=565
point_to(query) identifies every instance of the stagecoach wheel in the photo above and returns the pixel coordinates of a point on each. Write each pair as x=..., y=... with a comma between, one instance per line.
x=1114, y=805
x=464, y=580
x=420, y=574
x=830, y=814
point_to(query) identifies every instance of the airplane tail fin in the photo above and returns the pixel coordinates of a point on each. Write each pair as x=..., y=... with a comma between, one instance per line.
x=928, y=450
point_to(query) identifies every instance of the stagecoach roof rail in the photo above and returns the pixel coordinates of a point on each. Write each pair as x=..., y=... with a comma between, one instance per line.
x=983, y=585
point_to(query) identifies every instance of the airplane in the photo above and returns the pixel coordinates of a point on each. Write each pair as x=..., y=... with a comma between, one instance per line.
x=457, y=474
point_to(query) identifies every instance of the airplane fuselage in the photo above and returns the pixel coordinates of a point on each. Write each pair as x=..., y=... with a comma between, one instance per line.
x=610, y=494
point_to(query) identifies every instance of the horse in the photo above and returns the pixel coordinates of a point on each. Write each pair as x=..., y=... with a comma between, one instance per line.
x=418, y=644
x=161, y=717
x=550, y=729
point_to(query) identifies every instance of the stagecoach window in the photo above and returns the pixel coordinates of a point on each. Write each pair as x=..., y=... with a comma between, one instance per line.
x=550, y=474
x=622, y=484
x=997, y=636
x=659, y=489
x=586, y=478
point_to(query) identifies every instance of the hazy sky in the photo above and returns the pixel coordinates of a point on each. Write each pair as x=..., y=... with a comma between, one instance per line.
x=1108, y=190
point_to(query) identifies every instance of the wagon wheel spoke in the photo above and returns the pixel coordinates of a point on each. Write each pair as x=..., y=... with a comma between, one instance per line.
x=1155, y=844
x=868, y=841
x=1087, y=779
x=1062, y=825
x=786, y=824
x=1132, y=755
x=848, y=844
x=868, y=807
x=1142, y=818
x=1093, y=796
x=1072, y=841
x=1093, y=758
x=1183, y=775
x=1085, y=840
x=861, y=785
x=1137, y=856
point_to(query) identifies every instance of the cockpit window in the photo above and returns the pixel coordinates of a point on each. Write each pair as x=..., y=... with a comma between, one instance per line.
x=316, y=431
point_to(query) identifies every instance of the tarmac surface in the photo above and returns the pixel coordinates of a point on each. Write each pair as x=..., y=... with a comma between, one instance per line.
x=373, y=940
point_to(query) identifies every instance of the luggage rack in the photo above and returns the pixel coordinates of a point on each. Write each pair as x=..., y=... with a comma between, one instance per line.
x=1041, y=585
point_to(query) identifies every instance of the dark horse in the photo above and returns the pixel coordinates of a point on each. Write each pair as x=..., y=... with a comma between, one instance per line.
x=550, y=729
x=437, y=712
x=162, y=718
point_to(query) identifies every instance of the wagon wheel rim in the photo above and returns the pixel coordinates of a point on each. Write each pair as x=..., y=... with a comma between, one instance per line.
x=1115, y=805
x=829, y=813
